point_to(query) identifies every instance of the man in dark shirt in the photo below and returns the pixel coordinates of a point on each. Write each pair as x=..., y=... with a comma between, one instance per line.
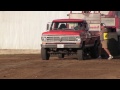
x=80, y=27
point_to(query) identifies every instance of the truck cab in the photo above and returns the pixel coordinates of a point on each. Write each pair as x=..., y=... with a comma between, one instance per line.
x=68, y=37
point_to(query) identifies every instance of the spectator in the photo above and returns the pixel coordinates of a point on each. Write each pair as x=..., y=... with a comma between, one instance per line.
x=104, y=42
x=80, y=27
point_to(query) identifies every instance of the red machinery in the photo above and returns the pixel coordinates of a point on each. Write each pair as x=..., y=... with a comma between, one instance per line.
x=109, y=18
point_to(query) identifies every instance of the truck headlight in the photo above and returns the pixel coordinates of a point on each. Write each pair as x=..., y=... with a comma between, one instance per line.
x=43, y=38
x=78, y=39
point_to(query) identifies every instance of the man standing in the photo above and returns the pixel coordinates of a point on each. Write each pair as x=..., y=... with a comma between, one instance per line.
x=104, y=41
x=80, y=27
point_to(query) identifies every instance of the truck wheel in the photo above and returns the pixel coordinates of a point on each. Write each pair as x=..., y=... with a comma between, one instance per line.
x=60, y=56
x=80, y=54
x=94, y=52
x=44, y=54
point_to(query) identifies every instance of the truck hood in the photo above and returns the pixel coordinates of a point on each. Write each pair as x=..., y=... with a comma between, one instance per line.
x=62, y=32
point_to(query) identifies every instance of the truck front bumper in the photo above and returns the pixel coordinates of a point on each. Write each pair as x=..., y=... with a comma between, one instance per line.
x=61, y=45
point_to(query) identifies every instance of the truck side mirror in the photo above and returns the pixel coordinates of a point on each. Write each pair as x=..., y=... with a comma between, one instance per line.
x=47, y=27
x=87, y=27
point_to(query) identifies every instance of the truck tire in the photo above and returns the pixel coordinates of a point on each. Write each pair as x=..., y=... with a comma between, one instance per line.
x=80, y=54
x=60, y=56
x=94, y=53
x=113, y=44
x=44, y=54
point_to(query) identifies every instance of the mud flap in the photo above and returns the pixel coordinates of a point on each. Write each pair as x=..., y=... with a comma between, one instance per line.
x=81, y=54
x=60, y=56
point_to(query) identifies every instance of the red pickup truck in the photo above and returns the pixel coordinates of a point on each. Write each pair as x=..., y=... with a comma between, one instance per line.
x=68, y=37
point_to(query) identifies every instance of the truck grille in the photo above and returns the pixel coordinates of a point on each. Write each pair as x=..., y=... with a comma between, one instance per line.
x=49, y=39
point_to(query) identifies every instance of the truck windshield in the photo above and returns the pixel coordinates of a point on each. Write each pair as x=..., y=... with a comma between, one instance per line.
x=68, y=26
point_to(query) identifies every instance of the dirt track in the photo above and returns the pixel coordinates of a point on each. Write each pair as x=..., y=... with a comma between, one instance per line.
x=32, y=67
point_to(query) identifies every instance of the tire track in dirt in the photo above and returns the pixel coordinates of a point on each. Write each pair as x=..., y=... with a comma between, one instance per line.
x=32, y=67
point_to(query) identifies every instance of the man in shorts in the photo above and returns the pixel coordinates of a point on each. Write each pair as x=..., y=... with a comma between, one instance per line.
x=104, y=42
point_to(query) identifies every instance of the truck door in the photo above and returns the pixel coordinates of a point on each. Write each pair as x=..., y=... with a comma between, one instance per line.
x=88, y=37
x=49, y=26
x=88, y=34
